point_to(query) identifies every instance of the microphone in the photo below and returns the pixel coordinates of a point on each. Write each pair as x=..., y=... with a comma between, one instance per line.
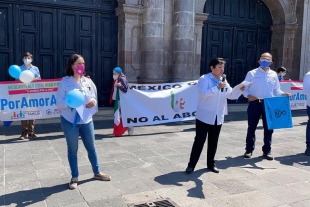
x=223, y=80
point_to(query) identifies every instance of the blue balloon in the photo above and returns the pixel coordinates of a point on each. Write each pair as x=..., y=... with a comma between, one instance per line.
x=7, y=123
x=15, y=71
x=74, y=98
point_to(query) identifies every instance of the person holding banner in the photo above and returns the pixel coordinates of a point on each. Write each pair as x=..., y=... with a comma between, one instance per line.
x=213, y=91
x=28, y=125
x=306, y=89
x=75, y=122
x=120, y=84
x=264, y=84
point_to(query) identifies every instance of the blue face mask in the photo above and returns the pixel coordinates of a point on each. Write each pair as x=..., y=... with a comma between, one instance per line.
x=264, y=63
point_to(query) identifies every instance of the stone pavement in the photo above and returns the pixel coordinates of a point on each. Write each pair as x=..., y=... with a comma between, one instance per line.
x=150, y=165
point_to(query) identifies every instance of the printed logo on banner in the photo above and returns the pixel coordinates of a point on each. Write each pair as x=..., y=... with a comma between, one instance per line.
x=18, y=115
x=50, y=112
x=297, y=105
x=33, y=113
x=177, y=103
x=293, y=105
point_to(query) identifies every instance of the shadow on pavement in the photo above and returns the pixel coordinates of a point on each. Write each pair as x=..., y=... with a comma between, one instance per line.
x=176, y=178
x=291, y=160
x=30, y=197
x=240, y=161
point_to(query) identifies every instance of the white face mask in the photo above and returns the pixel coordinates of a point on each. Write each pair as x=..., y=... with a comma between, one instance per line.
x=115, y=77
x=27, y=61
x=283, y=74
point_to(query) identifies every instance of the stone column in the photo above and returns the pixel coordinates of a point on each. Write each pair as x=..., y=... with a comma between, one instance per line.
x=129, y=35
x=305, y=47
x=168, y=38
x=199, y=19
x=183, y=40
x=152, y=51
x=282, y=48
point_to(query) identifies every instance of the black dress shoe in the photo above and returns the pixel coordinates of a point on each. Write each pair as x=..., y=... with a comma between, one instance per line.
x=189, y=170
x=268, y=156
x=247, y=154
x=214, y=169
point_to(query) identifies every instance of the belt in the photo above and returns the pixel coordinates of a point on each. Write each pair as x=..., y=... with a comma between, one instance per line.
x=258, y=100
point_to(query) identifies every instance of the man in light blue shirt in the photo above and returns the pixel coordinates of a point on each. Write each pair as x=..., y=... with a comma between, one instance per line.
x=28, y=125
x=264, y=84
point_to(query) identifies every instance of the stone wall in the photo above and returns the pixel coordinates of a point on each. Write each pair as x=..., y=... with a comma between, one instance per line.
x=160, y=40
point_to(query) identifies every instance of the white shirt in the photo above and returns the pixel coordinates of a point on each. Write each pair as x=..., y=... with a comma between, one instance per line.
x=306, y=87
x=212, y=102
x=263, y=84
x=69, y=83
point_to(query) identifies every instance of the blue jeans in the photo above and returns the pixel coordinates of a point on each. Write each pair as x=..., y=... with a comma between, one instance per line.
x=255, y=111
x=308, y=128
x=72, y=137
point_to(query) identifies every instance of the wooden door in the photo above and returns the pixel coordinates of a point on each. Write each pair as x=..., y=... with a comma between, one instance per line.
x=238, y=31
x=52, y=31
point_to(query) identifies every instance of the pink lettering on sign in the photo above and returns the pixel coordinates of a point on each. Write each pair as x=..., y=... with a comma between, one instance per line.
x=39, y=90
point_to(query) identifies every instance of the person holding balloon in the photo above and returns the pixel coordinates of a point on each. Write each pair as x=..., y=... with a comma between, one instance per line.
x=31, y=72
x=77, y=98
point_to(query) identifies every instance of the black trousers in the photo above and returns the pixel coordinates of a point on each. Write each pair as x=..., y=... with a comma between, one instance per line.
x=255, y=111
x=202, y=130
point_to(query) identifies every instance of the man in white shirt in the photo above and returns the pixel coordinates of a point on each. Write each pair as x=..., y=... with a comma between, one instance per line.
x=264, y=84
x=306, y=88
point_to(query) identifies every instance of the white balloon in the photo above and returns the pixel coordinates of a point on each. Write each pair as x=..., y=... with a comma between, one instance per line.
x=26, y=76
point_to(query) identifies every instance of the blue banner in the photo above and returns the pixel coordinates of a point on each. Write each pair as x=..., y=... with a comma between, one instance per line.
x=278, y=112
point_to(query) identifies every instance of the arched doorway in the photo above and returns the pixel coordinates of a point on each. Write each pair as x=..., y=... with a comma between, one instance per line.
x=238, y=31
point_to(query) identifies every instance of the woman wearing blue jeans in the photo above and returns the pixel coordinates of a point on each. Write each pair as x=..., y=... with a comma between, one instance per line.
x=72, y=124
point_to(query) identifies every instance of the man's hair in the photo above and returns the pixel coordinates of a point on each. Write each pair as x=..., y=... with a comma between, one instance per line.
x=27, y=54
x=215, y=61
x=281, y=69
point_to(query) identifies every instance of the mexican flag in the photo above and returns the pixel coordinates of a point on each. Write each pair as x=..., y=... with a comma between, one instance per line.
x=119, y=130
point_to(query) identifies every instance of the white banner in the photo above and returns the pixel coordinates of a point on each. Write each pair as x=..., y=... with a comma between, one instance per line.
x=298, y=100
x=143, y=104
x=20, y=101
x=149, y=104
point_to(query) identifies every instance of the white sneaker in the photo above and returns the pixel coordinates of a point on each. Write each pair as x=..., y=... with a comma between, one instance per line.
x=130, y=130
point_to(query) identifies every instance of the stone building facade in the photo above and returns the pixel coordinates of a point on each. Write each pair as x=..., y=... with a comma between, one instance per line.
x=161, y=40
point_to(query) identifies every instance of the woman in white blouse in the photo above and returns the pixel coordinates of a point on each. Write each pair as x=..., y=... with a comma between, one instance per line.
x=213, y=92
x=73, y=124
